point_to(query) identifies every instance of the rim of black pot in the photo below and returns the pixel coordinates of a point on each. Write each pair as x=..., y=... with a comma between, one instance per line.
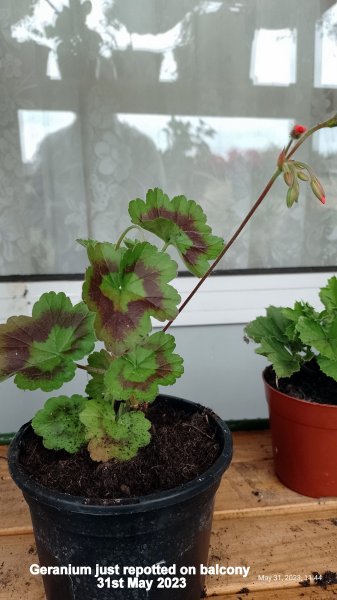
x=146, y=503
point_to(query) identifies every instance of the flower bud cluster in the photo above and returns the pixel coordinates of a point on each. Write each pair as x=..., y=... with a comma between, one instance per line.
x=293, y=172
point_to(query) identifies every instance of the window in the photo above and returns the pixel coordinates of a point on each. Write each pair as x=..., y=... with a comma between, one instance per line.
x=101, y=100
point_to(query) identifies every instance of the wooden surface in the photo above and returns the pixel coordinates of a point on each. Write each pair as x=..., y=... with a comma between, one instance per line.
x=258, y=523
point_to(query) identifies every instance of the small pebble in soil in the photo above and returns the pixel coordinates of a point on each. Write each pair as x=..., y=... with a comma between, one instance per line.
x=258, y=494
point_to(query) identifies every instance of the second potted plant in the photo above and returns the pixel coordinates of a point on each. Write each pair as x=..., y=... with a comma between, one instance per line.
x=301, y=390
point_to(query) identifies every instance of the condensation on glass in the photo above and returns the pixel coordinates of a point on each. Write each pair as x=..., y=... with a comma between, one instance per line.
x=101, y=100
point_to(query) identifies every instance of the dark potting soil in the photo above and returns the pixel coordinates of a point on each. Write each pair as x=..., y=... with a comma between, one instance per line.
x=182, y=447
x=307, y=384
x=320, y=579
x=325, y=579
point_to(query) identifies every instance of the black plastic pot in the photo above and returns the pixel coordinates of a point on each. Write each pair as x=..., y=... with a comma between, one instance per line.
x=168, y=528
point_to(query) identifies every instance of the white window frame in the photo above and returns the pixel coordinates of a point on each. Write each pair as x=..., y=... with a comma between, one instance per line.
x=221, y=300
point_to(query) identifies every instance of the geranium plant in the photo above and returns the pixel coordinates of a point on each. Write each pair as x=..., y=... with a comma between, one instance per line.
x=291, y=338
x=126, y=284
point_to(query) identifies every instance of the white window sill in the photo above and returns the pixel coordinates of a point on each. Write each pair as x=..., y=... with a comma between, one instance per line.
x=220, y=300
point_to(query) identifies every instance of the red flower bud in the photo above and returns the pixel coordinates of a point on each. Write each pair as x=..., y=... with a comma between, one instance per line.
x=297, y=131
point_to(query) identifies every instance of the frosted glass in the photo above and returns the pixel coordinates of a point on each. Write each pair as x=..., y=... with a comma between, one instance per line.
x=101, y=100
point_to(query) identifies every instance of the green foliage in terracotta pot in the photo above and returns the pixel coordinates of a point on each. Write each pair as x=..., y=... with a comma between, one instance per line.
x=291, y=337
x=127, y=283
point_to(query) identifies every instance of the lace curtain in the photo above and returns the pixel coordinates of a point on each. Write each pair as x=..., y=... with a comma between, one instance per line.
x=101, y=100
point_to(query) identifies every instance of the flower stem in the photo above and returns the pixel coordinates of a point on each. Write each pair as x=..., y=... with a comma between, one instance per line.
x=91, y=369
x=288, y=147
x=308, y=134
x=229, y=244
x=122, y=236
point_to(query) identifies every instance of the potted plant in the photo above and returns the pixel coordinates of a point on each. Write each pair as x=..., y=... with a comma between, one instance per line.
x=109, y=476
x=120, y=481
x=301, y=390
x=77, y=46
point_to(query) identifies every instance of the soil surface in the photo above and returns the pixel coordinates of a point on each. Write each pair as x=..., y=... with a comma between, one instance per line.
x=308, y=384
x=182, y=447
x=325, y=579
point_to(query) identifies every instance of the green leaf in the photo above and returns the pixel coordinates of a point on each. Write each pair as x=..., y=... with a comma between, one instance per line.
x=301, y=309
x=328, y=295
x=328, y=366
x=88, y=243
x=97, y=360
x=284, y=363
x=112, y=437
x=274, y=325
x=59, y=425
x=40, y=350
x=323, y=339
x=272, y=333
x=136, y=375
x=181, y=223
x=125, y=287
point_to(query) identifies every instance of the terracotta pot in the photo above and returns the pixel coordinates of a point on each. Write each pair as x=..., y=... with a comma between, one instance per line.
x=304, y=438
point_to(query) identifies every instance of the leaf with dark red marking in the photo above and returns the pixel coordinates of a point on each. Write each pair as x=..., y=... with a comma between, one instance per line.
x=40, y=350
x=181, y=223
x=136, y=375
x=125, y=287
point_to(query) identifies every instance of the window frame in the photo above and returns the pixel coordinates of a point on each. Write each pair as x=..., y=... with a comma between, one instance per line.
x=221, y=300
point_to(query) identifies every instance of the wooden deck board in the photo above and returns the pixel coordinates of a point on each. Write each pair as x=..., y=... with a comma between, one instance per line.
x=14, y=513
x=17, y=553
x=250, y=483
x=300, y=593
x=257, y=523
x=287, y=550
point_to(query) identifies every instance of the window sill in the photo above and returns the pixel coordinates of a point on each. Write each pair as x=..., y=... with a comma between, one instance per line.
x=221, y=300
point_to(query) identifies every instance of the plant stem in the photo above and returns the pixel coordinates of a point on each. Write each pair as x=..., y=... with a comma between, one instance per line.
x=121, y=238
x=53, y=7
x=251, y=212
x=288, y=147
x=166, y=245
x=91, y=369
x=229, y=244
x=306, y=135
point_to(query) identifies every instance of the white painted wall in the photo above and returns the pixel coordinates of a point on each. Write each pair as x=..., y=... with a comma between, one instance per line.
x=221, y=371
